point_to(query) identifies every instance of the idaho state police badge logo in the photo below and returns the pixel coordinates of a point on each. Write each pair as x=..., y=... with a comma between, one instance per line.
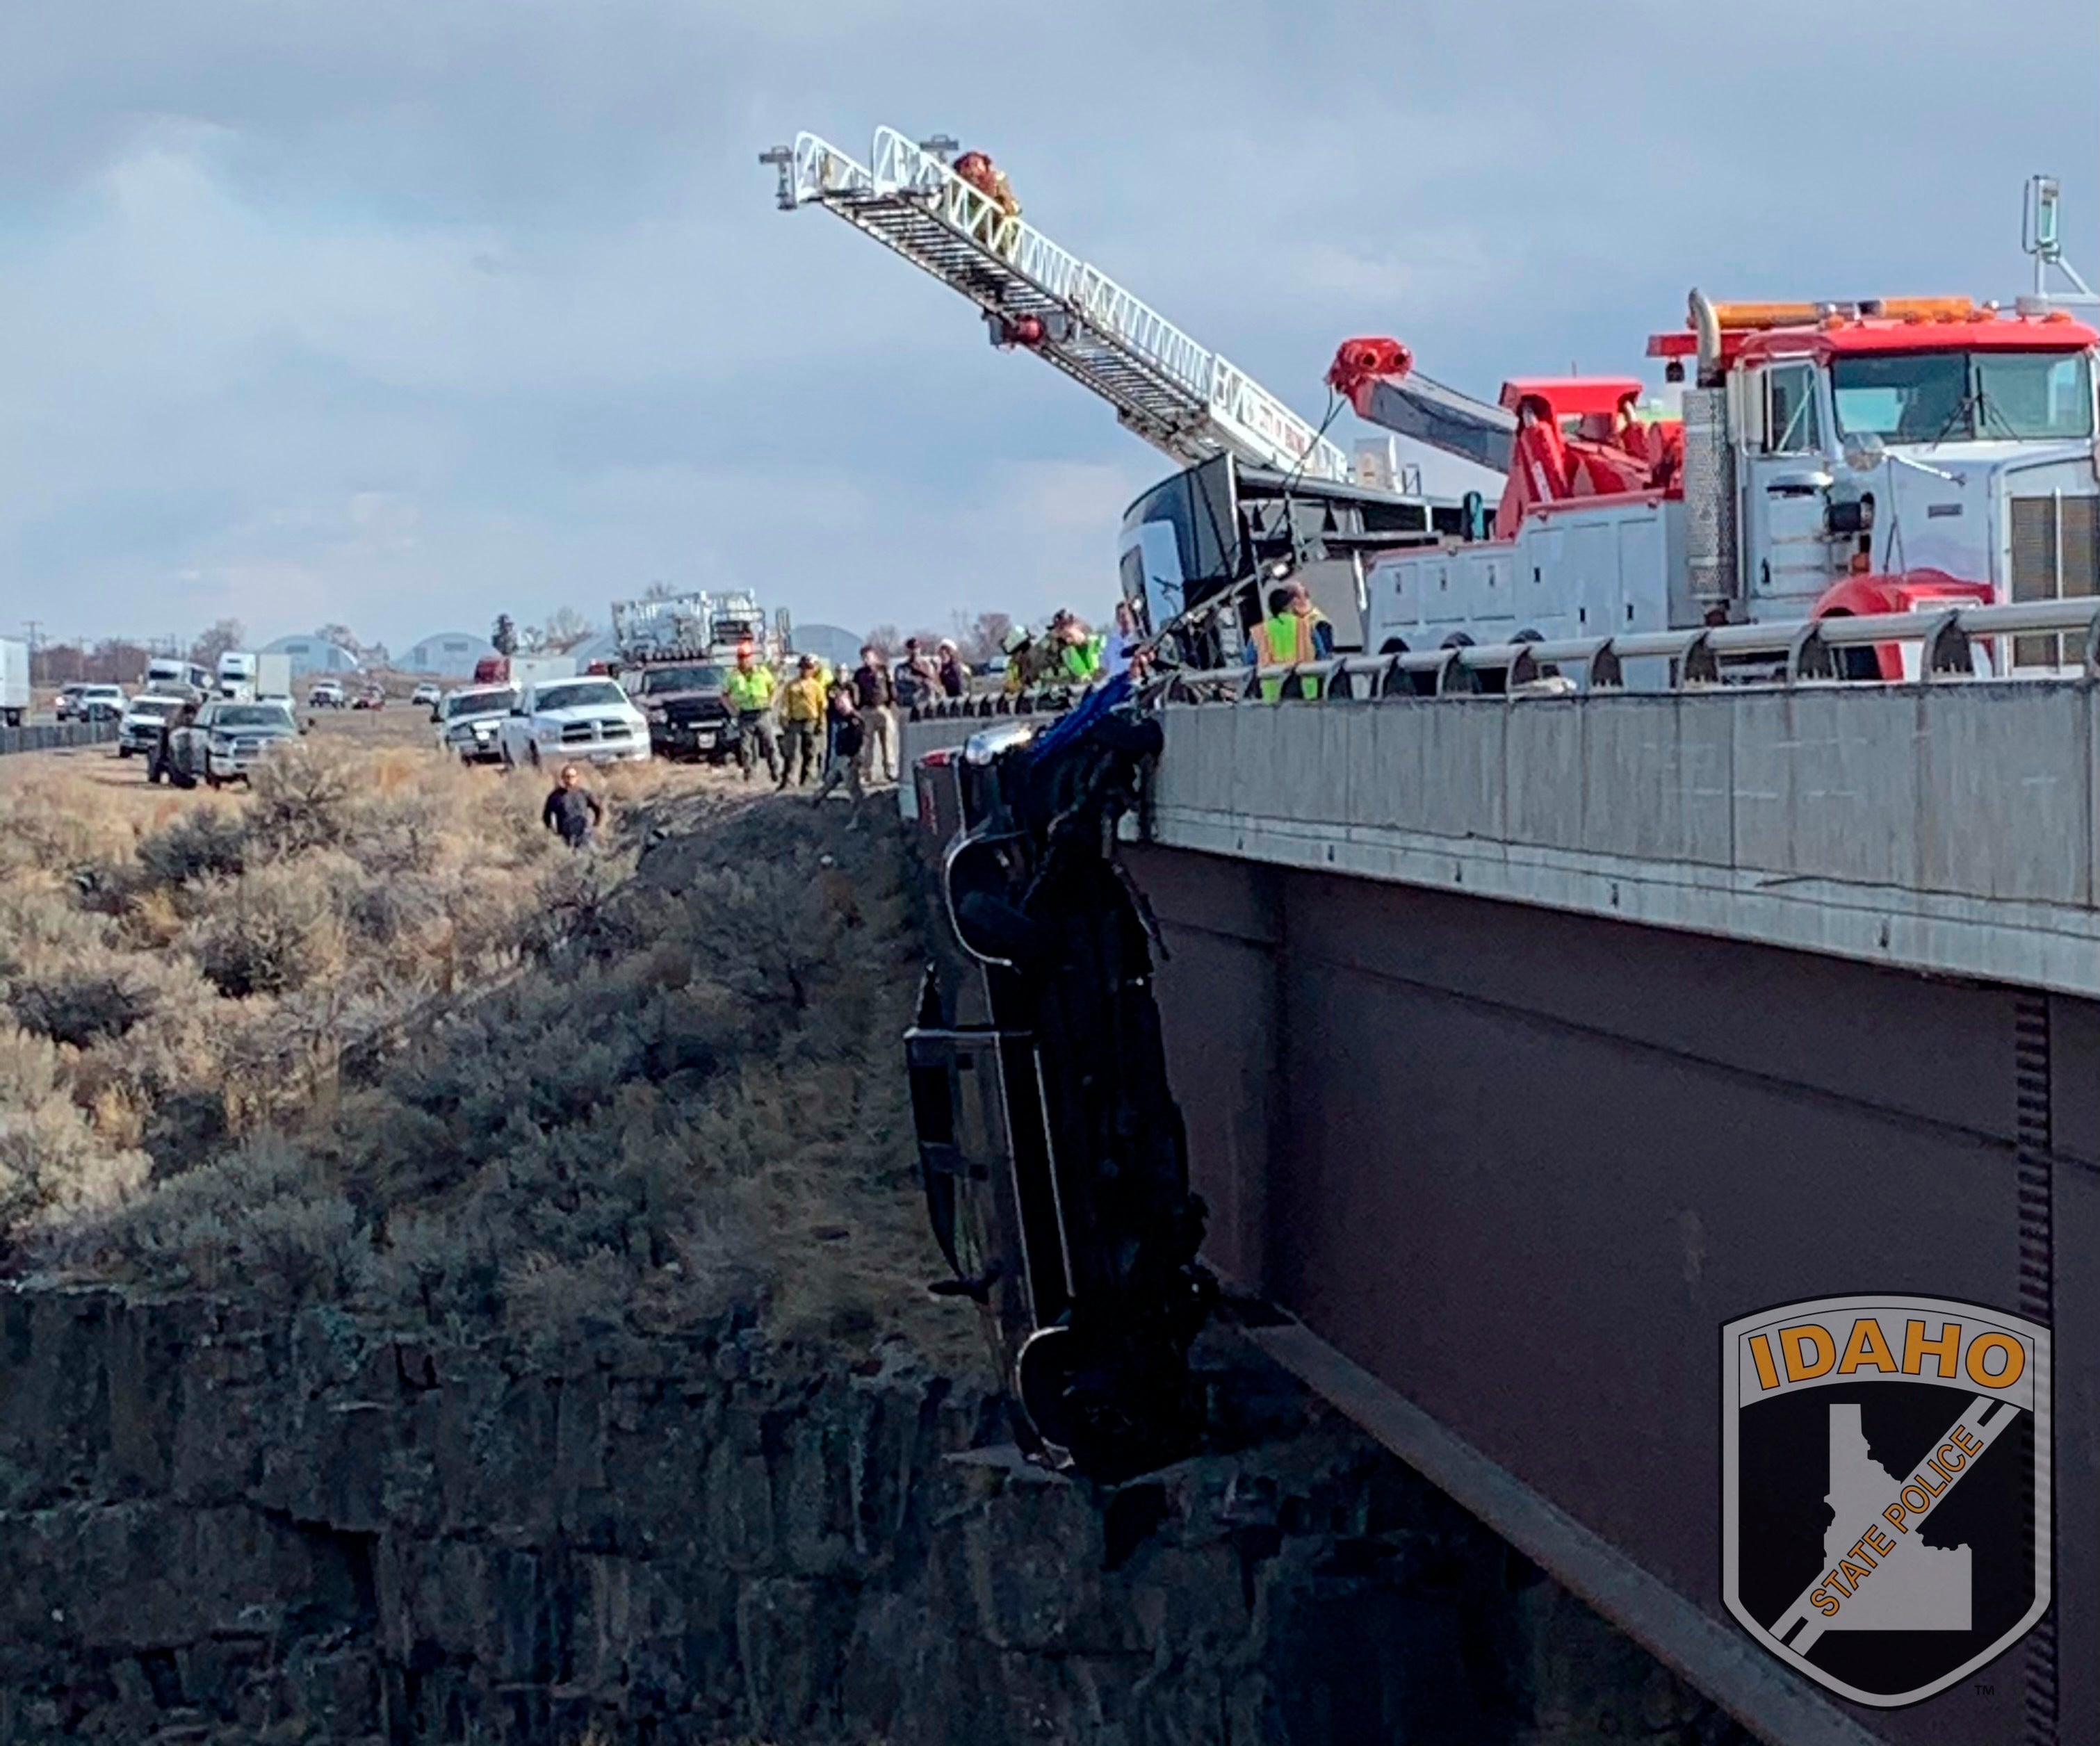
x=1885, y=1488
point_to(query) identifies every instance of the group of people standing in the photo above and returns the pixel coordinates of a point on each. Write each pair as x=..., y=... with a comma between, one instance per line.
x=833, y=729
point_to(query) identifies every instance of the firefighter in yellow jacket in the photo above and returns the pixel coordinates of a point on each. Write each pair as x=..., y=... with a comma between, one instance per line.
x=801, y=724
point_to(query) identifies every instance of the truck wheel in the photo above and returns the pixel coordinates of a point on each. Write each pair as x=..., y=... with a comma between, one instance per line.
x=123, y=750
x=210, y=781
x=532, y=753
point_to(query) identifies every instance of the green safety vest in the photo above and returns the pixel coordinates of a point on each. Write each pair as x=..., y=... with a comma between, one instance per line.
x=1082, y=660
x=749, y=690
x=1285, y=641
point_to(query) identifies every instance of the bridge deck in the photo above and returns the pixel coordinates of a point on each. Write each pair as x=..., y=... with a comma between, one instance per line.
x=1951, y=830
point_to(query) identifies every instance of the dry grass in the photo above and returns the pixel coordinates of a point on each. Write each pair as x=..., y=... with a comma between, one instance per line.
x=368, y=1035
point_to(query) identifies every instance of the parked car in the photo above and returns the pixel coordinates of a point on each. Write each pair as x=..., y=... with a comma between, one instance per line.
x=68, y=697
x=468, y=720
x=325, y=693
x=95, y=703
x=426, y=695
x=139, y=730
x=227, y=741
x=585, y=720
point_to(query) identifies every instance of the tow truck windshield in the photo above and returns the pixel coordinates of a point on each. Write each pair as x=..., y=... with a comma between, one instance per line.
x=659, y=680
x=1964, y=397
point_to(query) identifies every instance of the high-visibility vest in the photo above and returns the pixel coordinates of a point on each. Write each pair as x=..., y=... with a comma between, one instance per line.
x=749, y=688
x=1285, y=640
x=1082, y=660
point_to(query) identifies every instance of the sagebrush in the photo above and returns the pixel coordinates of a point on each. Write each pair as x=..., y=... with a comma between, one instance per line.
x=369, y=1036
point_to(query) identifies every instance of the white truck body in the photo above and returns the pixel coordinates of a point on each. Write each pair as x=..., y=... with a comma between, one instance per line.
x=273, y=678
x=236, y=675
x=657, y=630
x=171, y=672
x=541, y=669
x=14, y=681
x=570, y=720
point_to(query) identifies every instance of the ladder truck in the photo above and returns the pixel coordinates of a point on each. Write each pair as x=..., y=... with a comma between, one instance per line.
x=1261, y=491
x=1186, y=400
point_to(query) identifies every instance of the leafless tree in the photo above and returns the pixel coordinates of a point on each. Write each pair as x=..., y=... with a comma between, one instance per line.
x=228, y=633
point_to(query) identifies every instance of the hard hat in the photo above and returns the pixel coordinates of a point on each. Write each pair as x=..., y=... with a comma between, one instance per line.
x=1016, y=638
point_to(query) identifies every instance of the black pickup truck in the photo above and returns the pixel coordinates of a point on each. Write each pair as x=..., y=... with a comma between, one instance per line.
x=688, y=712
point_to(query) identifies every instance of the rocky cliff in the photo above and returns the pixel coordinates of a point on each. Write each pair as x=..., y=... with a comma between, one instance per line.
x=216, y=1524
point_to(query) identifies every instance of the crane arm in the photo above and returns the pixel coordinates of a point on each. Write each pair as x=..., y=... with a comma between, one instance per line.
x=1181, y=397
x=1377, y=377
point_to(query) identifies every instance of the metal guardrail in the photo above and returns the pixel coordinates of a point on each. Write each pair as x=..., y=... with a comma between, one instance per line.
x=55, y=736
x=1803, y=652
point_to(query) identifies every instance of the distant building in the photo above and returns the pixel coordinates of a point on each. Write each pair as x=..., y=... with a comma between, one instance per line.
x=602, y=646
x=450, y=654
x=315, y=655
x=829, y=642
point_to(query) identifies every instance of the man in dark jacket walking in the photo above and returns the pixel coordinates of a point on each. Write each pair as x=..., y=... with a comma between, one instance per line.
x=847, y=740
x=572, y=812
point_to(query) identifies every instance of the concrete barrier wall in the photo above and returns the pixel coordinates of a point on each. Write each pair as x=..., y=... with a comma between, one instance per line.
x=56, y=735
x=1954, y=829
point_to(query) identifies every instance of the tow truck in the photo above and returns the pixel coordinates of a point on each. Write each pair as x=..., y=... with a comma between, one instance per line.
x=1889, y=456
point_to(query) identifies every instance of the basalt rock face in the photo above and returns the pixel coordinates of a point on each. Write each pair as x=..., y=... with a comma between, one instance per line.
x=216, y=1525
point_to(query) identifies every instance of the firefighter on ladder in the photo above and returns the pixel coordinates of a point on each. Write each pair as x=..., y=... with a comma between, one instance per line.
x=993, y=228
x=1295, y=632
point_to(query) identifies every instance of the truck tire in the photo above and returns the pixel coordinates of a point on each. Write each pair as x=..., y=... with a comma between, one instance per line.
x=123, y=750
x=533, y=754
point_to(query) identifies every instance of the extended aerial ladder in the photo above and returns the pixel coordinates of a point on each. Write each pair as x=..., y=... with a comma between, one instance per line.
x=1180, y=397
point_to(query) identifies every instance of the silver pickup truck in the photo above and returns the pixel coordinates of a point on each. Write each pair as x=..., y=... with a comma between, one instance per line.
x=225, y=743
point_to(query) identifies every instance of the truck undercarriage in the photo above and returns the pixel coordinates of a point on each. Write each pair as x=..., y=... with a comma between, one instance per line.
x=1054, y=1157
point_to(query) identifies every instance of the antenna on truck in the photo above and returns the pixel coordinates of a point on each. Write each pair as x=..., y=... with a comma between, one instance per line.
x=2041, y=236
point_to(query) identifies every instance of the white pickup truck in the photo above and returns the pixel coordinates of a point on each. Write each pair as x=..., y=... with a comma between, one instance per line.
x=559, y=721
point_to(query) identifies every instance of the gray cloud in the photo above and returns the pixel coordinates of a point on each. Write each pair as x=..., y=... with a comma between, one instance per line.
x=403, y=313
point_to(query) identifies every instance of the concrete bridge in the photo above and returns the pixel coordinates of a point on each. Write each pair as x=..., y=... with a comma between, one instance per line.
x=1526, y=1042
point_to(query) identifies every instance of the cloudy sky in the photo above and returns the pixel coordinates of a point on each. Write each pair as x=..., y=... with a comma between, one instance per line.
x=402, y=312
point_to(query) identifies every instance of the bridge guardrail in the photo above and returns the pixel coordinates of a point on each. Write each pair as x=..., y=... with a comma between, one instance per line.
x=1806, y=652
x=55, y=735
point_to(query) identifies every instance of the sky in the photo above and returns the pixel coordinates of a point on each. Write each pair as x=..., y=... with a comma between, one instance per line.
x=401, y=313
